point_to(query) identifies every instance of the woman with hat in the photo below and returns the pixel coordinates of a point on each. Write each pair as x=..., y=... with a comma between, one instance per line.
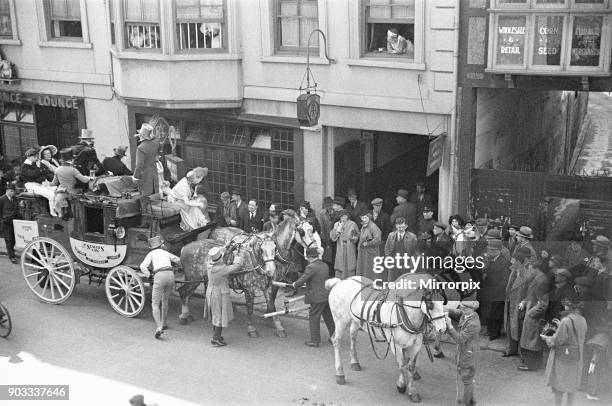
x=46, y=162
x=368, y=246
x=346, y=234
x=34, y=180
x=184, y=195
x=218, y=292
x=511, y=237
x=565, y=359
x=535, y=306
x=161, y=262
x=523, y=239
x=145, y=172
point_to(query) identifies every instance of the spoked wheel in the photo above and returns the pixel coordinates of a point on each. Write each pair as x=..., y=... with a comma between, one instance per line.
x=125, y=291
x=48, y=269
x=5, y=321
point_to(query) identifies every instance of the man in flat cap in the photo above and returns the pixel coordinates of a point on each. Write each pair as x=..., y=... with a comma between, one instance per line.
x=466, y=337
x=405, y=209
x=239, y=212
x=523, y=239
x=382, y=220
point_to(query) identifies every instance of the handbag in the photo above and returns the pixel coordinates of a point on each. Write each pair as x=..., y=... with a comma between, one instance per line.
x=568, y=353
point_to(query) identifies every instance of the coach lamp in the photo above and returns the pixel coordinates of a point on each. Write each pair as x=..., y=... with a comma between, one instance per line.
x=309, y=104
x=118, y=232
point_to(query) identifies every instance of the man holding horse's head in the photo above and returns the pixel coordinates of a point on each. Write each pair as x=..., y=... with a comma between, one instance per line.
x=467, y=339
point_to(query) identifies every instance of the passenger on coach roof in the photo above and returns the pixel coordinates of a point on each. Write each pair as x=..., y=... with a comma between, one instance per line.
x=35, y=181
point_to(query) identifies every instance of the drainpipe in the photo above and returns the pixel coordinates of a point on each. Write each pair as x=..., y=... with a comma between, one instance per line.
x=446, y=206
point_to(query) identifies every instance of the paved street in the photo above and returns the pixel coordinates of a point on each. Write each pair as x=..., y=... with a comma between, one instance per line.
x=107, y=358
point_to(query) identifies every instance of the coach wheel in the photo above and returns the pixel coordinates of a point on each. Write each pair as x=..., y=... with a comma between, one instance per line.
x=125, y=291
x=5, y=322
x=48, y=269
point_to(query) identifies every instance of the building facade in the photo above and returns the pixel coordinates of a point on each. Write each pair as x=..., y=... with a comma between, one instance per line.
x=226, y=74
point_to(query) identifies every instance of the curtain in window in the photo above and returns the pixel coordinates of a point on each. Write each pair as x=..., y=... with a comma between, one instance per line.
x=66, y=10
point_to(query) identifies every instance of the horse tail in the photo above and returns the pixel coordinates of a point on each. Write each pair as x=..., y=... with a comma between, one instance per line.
x=330, y=283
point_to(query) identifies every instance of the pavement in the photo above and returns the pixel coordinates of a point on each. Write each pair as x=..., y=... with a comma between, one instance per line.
x=595, y=156
x=107, y=358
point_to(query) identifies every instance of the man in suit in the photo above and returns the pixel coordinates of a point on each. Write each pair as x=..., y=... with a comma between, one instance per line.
x=145, y=173
x=406, y=210
x=9, y=211
x=222, y=215
x=255, y=217
x=421, y=199
x=426, y=221
x=239, y=213
x=114, y=165
x=400, y=242
x=355, y=207
x=493, y=289
x=466, y=338
x=85, y=157
x=315, y=275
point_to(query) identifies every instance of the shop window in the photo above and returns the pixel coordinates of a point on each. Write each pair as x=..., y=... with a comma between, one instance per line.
x=21, y=113
x=586, y=41
x=389, y=28
x=295, y=20
x=65, y=19
x=6, y=26
x=142, y=24
x=200, y=24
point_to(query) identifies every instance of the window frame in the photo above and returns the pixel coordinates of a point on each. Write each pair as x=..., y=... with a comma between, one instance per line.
x=224, y=33
x=531, y=11
x=43, y=10
x=12, y=39
x=285, y=50
x=363, y=22
x=122, y=4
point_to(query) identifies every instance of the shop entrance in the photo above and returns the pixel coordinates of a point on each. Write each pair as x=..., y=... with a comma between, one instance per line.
x=378, y=166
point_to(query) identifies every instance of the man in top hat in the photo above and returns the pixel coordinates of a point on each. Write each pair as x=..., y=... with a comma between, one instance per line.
x=421, y=199
x=467, y=338
x=85, y=157
x=114, y=165
x=493, y=288
x=355, y=207
x=426, y=220
x=523, y=239
x=239, y=213
x=405, y=209
x=315, y=275
x=9, y=211
x=161, y=262
x=145, y=172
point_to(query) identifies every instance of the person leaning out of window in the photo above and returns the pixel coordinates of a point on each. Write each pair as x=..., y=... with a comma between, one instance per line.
x=396, y=44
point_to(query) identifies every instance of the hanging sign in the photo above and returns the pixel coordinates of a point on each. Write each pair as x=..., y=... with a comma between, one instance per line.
x=308, y=109
x=25, y=231
x=436, y=152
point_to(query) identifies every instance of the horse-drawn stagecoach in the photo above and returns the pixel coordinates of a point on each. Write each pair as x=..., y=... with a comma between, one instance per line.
x=104, y=240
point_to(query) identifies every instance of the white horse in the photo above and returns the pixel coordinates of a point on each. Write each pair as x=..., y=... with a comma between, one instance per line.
x=355, y=302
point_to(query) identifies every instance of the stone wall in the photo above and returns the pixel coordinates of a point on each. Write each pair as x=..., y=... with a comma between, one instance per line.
x=527, y=130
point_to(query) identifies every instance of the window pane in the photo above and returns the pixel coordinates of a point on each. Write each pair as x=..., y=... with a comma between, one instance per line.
x=511, y=40
x=74, y=9
x=186, y=9
x=505, y=2
x=288, y=8
x=586, y=41
x=547, y=40
x=4, y=7
x=150, y=10
x=306, y=27
x=379, y=11
x=309, y=9
x=5, y=19
x=289, y=32
x=589, y=1
x=142, y=10
x=538, y=2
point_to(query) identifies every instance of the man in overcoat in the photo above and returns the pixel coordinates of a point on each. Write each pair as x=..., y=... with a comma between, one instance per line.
x=9, y=211
x=535, y=305
x=516, y=291
x=382, y=220
x=145, y=173
x=239, y=212
x=315, y=275
x=114, y=165
x=218, y=293
x=405, y=209
x=468, y=345
x=421, y=199
x=401, y=241
x=523, y=239
x=493, y=289
x=368, y=246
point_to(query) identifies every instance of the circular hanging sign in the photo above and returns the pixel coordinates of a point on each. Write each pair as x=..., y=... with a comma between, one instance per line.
x=308, y=109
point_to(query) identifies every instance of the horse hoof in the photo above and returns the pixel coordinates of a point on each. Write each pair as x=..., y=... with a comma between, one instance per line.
x=356, y=366
x=183, y=322
x=415, y=397
x=281, y=334
x=401, y=389
x=190, y=318
x=253, y=334
x=416, y=376
x=340, y=379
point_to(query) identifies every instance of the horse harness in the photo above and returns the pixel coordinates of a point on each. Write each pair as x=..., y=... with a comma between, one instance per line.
x=374, y=300
x=234, y=247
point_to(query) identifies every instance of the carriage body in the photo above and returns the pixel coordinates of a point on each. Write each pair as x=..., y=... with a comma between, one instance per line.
x=105, y=240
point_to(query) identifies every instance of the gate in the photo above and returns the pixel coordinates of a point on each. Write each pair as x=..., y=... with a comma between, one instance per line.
x=550, y=204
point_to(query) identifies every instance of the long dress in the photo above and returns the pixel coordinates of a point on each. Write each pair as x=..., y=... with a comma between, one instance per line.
x=370, y=236
x=192, y=216
x=346, y=252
